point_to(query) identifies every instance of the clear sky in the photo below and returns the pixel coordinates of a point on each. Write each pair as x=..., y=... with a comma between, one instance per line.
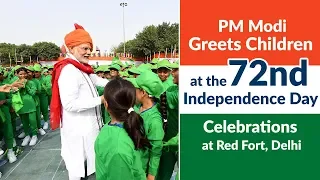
x=29, y=21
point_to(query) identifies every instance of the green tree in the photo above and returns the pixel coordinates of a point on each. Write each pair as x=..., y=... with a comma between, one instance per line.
x=168, y=36
x=147, y=41
x=7, y=50
x=130, y=47
x=46, y=50
x=26, y=51
x=152, y=39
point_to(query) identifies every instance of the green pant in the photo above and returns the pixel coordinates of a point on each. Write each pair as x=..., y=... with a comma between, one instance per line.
x=49, y=100
x=38, y=116
x=167, y=162
x=29, y=122
x=14, y=122
x=6, y=127
x=44, y=106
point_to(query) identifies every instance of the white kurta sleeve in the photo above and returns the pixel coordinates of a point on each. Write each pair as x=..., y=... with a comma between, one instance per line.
x=69, y=83
x=98, y=81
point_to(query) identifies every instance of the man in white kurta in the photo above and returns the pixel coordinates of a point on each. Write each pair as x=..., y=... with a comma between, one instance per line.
x=81, y=118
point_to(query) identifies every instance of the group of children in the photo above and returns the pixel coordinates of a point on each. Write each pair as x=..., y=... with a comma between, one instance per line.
x=140, y=135
x=30, y=104
x=146, y=134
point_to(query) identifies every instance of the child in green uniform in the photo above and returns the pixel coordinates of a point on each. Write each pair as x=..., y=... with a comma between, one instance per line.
x=99, y=72
x=173, y=142
x=114, y=71
x=103, y=71
x=170, y=111
x=148, y=89
x=107, y=73
x=117, y=145
x=43, y=96
x=164, y=73
x=28, y=112
x=48, y=89
x=36, y=99
x=5, y=122
x=134, y=72
x=12, y=77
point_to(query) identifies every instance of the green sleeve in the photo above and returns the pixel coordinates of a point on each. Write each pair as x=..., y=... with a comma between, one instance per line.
x=47, y=85
x=14, y=78
x=100, y=90
x=173, y=99
x=173, y=141
x=120, y=167
x=31, y=88
x=155, y=135
x=17, y=102
x=9, y=99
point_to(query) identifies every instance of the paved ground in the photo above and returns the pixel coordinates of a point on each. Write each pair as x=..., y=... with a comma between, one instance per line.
x=40, y=162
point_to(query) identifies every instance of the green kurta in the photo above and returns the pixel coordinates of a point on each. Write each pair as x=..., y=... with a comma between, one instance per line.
x=43, y=95
x=49, y=88
x=6, y=126
x=153, y=126
x=37, y=101
x=173, y=112
x=27, y=95
x=116, y=157
x=13, y=114
x=14, y=78
x=7, y=80
x=169, y=154
x=28, y=111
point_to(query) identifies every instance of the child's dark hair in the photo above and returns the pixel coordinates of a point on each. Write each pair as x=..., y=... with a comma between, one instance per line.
x=120, y=95
x=21, y=69
x=163, y=110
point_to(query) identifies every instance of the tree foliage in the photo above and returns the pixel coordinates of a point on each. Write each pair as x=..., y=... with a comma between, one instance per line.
x=40, y=50
x=152, y=39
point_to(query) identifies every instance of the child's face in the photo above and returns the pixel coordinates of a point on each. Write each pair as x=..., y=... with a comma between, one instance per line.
x=107, y=75
x=22, y=75
x=30, y=74
x=114, y=73
x=163, y=73
x=100, y=74
x=139, y=96
x=175, y=74
x=37, y=74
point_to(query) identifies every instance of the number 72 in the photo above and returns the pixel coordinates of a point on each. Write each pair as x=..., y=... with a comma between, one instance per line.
x=242, y=62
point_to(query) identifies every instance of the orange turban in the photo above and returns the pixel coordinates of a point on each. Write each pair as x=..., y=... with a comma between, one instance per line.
x=77, y=37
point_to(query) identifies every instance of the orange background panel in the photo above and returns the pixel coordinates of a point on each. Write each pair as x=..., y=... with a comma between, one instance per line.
x=201, y=18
